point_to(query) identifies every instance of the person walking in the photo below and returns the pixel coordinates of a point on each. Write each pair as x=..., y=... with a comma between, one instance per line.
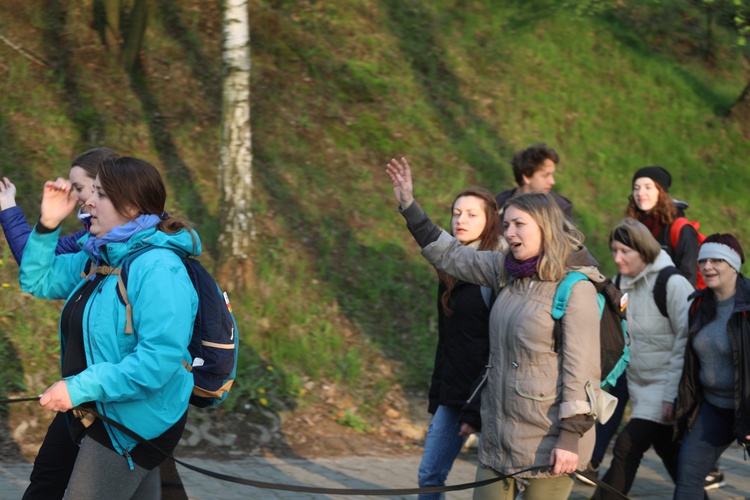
x=463, y=339
x=657, y=346
x=137, y=380
x=538, y=406
x=713, y=400
x=534, y=172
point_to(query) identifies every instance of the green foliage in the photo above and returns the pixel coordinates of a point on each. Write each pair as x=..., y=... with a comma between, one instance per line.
x=349, y=419
x=341, y=294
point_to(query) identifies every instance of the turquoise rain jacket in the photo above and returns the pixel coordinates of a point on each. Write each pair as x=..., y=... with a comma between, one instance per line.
x=135, y=379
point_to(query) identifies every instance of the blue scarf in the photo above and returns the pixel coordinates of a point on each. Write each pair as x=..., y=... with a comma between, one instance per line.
x=120, y=234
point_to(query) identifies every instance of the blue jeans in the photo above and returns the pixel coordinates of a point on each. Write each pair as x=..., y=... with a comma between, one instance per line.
x=441, y=447
x=702, y=444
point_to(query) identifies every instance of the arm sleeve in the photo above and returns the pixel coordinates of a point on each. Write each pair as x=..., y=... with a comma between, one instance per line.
x=580, y=325
x=45, y=275
x=678, y=291
x=16, y=230
x=419, y=223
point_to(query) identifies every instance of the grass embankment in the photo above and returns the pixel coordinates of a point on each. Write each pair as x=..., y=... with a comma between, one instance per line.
x=341, y=295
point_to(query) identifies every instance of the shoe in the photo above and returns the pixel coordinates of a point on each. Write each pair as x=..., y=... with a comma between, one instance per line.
x=589, y=475
x=714, y=480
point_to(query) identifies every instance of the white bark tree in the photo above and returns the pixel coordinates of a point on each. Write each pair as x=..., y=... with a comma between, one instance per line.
x=235, y=170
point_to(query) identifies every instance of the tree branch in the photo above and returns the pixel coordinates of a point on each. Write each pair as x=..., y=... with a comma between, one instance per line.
x=26, y=53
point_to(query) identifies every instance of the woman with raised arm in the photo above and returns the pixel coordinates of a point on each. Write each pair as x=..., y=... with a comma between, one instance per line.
x=538, y=406
x=463, y=339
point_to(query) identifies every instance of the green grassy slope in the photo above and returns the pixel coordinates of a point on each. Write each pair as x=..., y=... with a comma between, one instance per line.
x=341, y=295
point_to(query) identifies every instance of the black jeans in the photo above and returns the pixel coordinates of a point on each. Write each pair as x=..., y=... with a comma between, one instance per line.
x=57, y=456
x=632, y=443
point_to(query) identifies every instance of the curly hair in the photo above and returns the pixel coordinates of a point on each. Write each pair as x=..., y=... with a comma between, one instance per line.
x=664, y=211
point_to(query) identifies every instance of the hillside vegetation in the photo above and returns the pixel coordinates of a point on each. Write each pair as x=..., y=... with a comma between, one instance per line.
x=341, y=297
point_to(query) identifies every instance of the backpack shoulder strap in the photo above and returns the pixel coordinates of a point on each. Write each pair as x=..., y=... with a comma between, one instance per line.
x=660, y=288
x=122, y=284
x=562, y=294
x=674, y=231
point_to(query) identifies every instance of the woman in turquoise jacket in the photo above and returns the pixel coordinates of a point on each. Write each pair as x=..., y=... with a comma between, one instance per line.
x=136, y=379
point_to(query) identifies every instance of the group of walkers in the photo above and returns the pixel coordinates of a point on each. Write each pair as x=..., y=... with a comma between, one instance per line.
x=140, y=379
x=535, y=406
x=498, y=371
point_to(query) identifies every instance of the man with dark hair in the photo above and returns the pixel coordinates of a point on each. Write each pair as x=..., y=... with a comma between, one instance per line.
x=534, y=171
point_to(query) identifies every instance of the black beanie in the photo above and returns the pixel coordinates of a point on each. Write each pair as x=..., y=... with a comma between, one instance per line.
x=658, y=174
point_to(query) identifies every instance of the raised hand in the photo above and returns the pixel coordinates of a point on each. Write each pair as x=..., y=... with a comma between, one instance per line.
x=56, y=202
x=7, y=194
x=400, y=174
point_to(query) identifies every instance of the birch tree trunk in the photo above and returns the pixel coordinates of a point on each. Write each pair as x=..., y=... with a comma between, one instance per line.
x=235, y=170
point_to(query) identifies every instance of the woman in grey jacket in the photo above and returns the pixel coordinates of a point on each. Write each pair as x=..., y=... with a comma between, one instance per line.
x=657, y=347
x=538, y=405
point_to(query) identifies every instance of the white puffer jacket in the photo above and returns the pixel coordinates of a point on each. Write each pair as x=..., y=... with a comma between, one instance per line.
x=657, y=344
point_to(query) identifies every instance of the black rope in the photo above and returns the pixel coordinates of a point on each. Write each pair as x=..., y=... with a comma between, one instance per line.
x=309, y=489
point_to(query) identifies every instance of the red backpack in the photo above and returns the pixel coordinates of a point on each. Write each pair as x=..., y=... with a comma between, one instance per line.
x=674, y=236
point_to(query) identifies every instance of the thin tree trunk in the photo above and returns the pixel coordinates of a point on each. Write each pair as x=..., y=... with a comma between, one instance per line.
x=235, y=170
x=136, y=30
x=112, y=26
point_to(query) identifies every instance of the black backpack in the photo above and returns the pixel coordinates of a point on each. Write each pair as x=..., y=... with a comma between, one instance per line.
x=660, y=288
x=214, y=345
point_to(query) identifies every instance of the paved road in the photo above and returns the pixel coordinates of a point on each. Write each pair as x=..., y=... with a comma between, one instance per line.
x=375, y=472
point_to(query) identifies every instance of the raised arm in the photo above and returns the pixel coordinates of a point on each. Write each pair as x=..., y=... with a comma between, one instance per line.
x=400, y=174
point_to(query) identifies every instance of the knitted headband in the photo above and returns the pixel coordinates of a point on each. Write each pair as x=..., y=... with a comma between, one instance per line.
x=718, y=251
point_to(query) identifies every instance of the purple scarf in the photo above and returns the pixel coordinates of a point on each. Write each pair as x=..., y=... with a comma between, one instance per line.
x=521, y=269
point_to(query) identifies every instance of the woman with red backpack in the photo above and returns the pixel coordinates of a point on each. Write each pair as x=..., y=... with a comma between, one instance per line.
x=651, y=204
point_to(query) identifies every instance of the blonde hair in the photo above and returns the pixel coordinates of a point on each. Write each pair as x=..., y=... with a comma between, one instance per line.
x=560, y=237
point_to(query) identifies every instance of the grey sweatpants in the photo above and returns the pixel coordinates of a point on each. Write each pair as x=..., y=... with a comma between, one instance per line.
x=102, y=473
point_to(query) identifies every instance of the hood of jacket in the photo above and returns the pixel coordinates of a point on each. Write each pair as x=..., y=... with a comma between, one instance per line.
x=582, y=261
x=662, y=260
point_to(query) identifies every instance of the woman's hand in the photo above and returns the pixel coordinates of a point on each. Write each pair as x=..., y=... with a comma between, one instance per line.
x=466, y=430
x=7, y=194
x=56, y=202
x=56, y=398
x=400, y=174
x=563, y=461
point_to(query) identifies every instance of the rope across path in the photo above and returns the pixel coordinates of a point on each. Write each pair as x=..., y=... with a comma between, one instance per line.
x=299, y=488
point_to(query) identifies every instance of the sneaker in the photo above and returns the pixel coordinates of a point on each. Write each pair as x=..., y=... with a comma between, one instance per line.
x=589, y=475
x=714, y=480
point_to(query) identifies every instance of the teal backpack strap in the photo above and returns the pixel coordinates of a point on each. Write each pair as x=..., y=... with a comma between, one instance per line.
x=560, y=302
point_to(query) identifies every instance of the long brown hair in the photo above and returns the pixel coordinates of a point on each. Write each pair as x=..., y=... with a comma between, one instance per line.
x=664, y=211
x=488, y=240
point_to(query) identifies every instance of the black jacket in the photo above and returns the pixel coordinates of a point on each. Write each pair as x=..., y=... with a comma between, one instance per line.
x=463, y=346
x=690, y=392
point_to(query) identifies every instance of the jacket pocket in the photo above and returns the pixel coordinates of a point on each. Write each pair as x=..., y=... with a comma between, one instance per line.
x=538, y=390
x=536, y=402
